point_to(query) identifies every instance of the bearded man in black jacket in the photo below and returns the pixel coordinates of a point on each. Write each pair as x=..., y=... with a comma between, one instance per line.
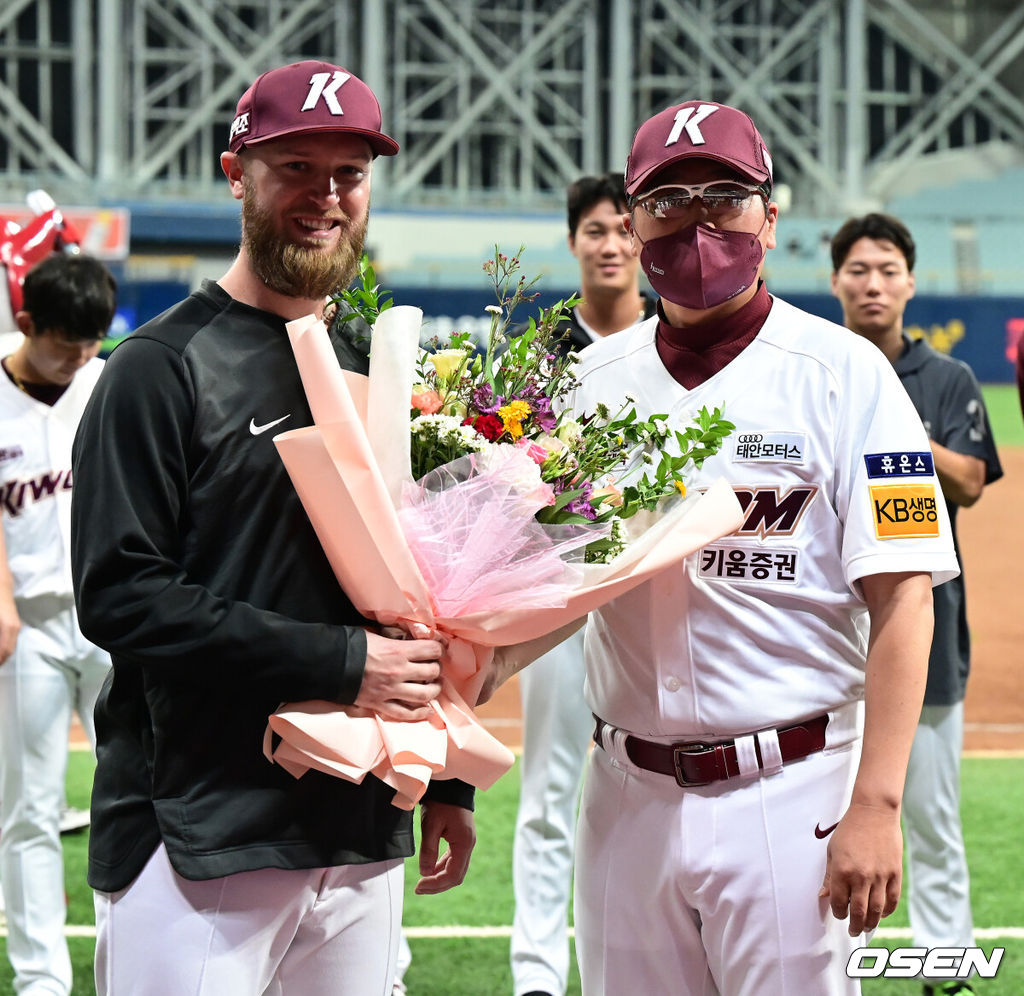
x=196, y=567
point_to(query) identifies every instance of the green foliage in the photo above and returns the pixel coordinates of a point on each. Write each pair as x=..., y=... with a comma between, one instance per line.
x=366, y=300
x=626, y=441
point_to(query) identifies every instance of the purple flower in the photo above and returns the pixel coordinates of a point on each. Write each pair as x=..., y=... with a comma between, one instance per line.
x=580, y=506
x=540, y=404
x=542, y=413
x=484, y=400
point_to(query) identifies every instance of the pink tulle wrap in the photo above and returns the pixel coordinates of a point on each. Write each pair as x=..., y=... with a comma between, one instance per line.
x=471, y=529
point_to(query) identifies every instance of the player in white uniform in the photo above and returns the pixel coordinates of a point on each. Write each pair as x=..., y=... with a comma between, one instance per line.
x=745, y=799
x=556, y=721
x=52, y=670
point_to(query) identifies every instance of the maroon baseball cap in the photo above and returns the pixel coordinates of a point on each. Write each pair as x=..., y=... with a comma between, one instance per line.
x=697, y=128
x=308, y=97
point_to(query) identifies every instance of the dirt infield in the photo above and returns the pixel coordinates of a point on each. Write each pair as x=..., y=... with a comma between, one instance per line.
x=991, y=541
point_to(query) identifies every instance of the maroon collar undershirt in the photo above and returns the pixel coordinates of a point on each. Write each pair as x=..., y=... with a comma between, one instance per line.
x=48, y=394
x=694, y=354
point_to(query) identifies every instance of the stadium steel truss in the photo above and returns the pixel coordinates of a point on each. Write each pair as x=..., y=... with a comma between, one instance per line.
x=500, y=103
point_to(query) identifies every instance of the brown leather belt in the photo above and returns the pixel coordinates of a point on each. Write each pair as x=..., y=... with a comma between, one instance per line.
x=701, y=763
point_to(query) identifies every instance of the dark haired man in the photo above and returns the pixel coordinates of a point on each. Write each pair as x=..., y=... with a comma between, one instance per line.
x=873, y=277
x=196, y=566
x=744, y=796
x=47, y=668
x=556, y=720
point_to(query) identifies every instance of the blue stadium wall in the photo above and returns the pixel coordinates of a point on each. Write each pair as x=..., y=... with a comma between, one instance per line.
x=981, y=331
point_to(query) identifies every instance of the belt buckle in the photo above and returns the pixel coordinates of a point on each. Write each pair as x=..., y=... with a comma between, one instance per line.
x=691, y=748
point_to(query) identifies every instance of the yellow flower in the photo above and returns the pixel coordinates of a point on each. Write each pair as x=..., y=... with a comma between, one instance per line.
x=448, y=363
x=681, y=487
x=512, y=417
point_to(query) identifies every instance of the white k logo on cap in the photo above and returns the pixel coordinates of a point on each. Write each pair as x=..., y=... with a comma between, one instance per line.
x=270, y=108
x=688, y=118
x=712, y=131
x=318, y=88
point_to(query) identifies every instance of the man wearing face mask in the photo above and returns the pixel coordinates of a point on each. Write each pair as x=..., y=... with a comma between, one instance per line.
x=740, y=824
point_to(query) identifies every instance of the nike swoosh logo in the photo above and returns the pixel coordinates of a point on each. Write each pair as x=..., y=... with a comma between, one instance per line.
x=822, y=834
x=257, y=429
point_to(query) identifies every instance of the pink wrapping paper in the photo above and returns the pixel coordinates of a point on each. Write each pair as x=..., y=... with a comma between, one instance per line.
x=348, y=471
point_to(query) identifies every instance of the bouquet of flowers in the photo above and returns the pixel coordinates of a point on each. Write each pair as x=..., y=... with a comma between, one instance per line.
x=515, y=394
x=483, y=509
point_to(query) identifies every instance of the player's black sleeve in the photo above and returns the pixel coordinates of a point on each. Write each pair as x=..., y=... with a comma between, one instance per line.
x=966, y=423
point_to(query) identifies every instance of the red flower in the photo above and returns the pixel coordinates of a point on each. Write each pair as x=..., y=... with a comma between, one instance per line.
x=489, y=426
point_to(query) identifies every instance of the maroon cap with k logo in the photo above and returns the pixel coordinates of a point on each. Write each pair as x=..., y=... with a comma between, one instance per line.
x=308, y=97
x=697, y=128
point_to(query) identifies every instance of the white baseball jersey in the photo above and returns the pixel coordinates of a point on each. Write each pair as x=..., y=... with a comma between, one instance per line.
x=35, y=482
x=9, y=341
x=834, y=470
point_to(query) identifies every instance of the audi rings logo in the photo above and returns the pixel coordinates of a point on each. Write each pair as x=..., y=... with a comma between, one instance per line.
x=751, y=437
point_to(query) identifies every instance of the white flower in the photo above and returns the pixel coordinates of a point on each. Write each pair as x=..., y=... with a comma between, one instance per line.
x=518, y=470
x=472, y=439
x=569, y=432
x=438, y=425
x=551, y=443
x=494, y=309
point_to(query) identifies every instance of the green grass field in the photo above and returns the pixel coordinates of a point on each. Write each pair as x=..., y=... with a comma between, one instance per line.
x=458, y=963
x=1003, y=403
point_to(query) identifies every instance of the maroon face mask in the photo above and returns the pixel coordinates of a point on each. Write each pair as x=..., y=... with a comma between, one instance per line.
x=701, y=267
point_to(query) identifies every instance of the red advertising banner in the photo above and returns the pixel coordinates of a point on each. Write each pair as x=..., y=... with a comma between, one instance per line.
x=105, y=231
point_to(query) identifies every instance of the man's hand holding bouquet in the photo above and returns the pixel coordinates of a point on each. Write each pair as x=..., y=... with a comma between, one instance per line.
x=458, y=496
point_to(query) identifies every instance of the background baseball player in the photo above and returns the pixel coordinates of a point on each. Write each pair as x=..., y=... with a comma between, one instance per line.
x=873, y=264
x=21, y=248
x=738, y=832
x=556, y=721
x=48, y=669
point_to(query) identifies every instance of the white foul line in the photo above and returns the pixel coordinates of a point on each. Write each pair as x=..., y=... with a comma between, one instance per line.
x=478, y=933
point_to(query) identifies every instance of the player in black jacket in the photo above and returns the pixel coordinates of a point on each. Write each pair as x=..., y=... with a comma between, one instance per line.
x=196, y=567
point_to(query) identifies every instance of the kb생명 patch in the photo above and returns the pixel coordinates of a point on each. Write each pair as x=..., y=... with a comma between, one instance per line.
x=904, y=510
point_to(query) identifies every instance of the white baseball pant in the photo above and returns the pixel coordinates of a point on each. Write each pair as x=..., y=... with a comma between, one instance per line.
x=939, y=903
x=275, y=932
x=557, y=726
x=710, y=890
x=53, y=671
